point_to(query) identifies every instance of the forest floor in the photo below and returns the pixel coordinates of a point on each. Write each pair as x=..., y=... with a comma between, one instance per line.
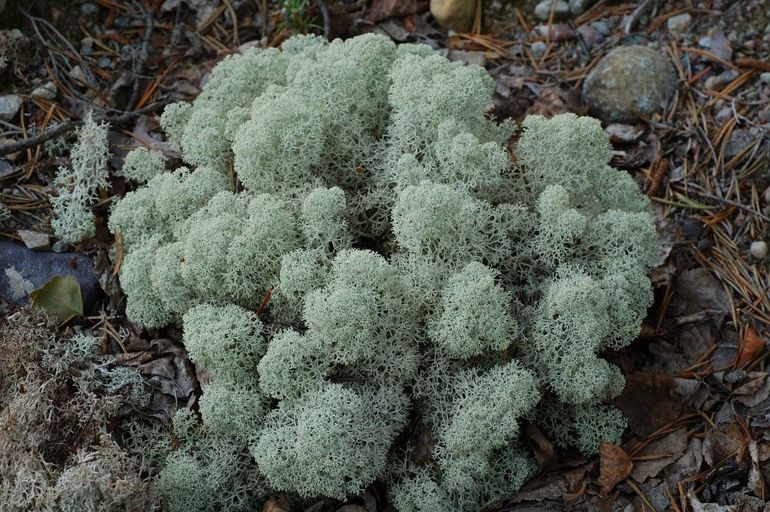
x=698, y=392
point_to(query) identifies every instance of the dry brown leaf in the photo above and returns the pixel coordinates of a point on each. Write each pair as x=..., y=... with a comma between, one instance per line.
x=751, y=346
x=541, y=447
x=718, y=446
x=276, y=505
x=614, y=466
x=548, y=104
x=649, y=401
x=659, y=454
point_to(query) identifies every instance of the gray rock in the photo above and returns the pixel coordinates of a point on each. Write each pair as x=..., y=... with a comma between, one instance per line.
x=538, y=49
x=470, y=58
x=628, y=82
x=47, y=91
x=765, y=77
x=9, y=106
x=580, y=6
x=560, y=9
x=23, y=270
x=35, y=240
x=678, y=24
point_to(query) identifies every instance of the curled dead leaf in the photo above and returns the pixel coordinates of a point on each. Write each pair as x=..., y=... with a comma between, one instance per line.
x=750, y=347
x=614, y=466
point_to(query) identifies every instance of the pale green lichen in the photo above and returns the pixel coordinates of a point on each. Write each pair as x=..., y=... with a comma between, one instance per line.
x=142, y=165
x=79, y=185
x=378, y=259
x=5, y=214
x=57, y=396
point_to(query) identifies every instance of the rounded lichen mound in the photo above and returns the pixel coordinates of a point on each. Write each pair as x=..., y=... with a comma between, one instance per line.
x=378, y=287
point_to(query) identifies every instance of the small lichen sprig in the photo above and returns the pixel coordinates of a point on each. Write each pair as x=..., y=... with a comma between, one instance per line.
x=79, y=184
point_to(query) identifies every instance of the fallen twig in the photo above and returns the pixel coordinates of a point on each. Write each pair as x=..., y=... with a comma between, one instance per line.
x=67, y=126
x=138, y=64
x=634, y=18
x=324, y=10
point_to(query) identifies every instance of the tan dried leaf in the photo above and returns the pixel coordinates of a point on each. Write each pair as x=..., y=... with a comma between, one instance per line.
x=614, y=466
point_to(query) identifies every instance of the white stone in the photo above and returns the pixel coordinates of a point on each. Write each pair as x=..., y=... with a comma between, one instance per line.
x=78, y=76
x=47, y=91
x=758, y=249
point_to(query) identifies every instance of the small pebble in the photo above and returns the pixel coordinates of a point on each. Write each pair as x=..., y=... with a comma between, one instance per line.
x=121, y=22
x=758, y=249
x=88, y=9
x=60, y=246
x=557, y=32
x=678, y=24
x=720, y=80
x=765, y=77
x=76, y=74
x=46, y=91
x=735, y=376
x=538, y=49
x=580, y=6
x=723, y=115
x=87, y=45
x=560, y=9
